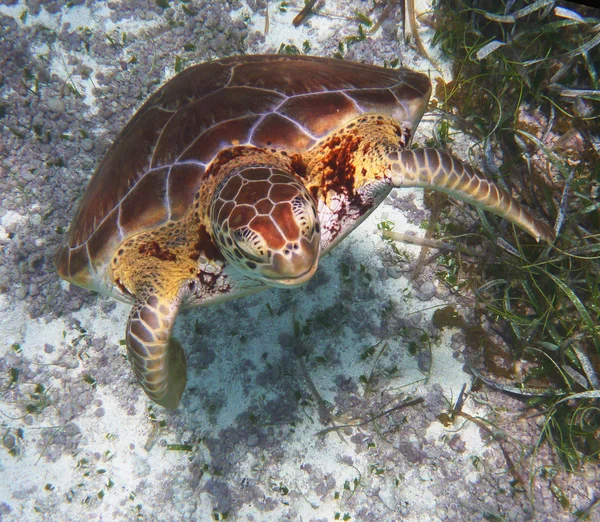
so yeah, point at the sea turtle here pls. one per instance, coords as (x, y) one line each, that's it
(236, 176)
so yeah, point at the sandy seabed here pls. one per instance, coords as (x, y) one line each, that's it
(79, 439)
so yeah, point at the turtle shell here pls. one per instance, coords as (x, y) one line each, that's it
(152, 171)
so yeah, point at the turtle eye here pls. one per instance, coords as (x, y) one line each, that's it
(305, 214)
(250, 244)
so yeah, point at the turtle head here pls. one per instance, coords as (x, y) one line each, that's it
(265, 223)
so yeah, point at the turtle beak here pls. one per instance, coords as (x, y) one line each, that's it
(295, 265)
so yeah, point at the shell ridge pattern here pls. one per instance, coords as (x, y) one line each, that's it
(352, 100)
(275, 110)
(178, 163)
(400, 102)
(133, 186)
(231, 75)
(223, 144)
(262, 119)
(287, 118)
(97, 224)
(254, 127)
(208, 128)
(399, 83)
(167, 194)
(119, 227)
(301, 127)
(158, 140)
(93, 271)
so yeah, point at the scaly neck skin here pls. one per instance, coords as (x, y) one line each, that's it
(347, 173)
(351, 171)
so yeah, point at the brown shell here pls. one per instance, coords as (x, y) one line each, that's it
(155, 166)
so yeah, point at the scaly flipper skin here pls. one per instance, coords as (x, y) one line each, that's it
(154, 279)
(158, 361)
(436, 169)
(356, 167)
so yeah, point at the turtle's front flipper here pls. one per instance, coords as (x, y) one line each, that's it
(431, 168)
(158, 361)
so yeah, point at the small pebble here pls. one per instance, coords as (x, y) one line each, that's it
(424, 361)
(56, 105)
(66, 412)
(99, 412)
(394, 272)
(48, 348)
(87, 145)
(71, 429)
(34, 6)
(70, 362)
(427, 291)
(9, 441)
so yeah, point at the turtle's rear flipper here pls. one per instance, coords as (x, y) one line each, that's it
(158, 360)
(431, 168)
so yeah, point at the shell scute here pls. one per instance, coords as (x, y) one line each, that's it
(225, 134)
(184, 182)
(302, 75)
(275, 130)
(123, 166)
(77, 267)
(320, 113)
(144, 207)
(105, 240)
(377, 101)
(189, 124)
